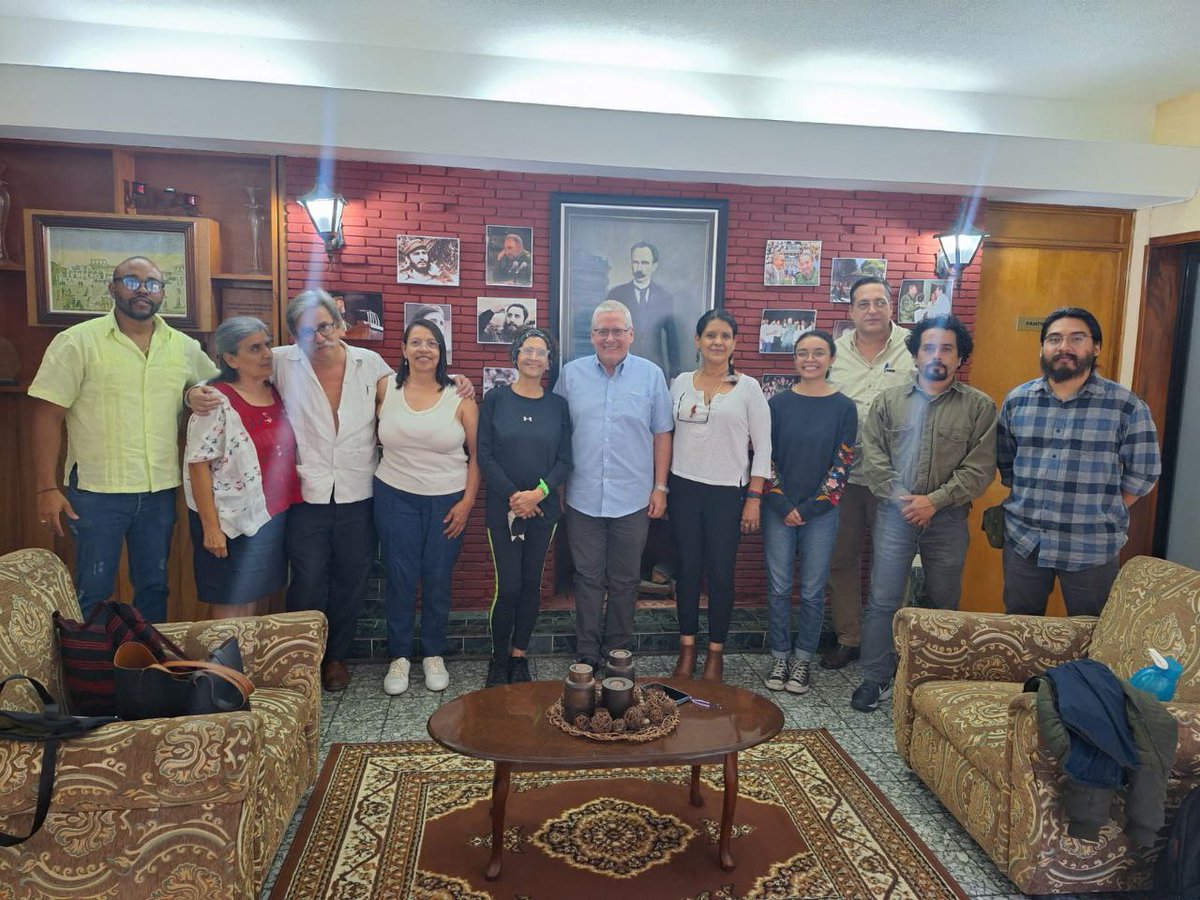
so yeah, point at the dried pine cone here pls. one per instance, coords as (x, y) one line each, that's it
(583, 721)
(634, 715)
(602, 721)
(619, 727)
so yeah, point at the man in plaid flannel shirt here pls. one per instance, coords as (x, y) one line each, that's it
(1077, 450)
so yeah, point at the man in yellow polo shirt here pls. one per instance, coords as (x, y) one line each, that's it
(117, 381)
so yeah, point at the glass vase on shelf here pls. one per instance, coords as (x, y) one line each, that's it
(5, 208)
(256, 216)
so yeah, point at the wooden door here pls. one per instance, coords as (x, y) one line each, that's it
(1037, 259)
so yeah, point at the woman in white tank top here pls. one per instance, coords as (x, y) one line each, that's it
(425, 487)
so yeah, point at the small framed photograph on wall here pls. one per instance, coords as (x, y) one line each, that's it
(846, 270)
(500, 319)
(494, 376)
(840, 327)
(509, 256)
(363, 312)
(780, 328)
(437, 313)
(421, 259)
(922, 298)
(776, 383)
(792, 264)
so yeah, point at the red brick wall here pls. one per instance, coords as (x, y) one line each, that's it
(385, 200)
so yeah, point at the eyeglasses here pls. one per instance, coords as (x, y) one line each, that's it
(605, 333)
(324, 330)
(535, 352)
(1078, 339)
(133, 283)
(423, 344)
(690, 410)
(873, 304)
(812, 354)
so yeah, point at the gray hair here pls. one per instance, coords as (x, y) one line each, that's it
(612, 306)
(229, 336)
(309, 300)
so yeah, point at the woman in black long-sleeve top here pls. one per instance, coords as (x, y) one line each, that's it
(524, 447)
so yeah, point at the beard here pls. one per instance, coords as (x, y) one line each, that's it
(1065, 366)
(935, 371)
(133, 311)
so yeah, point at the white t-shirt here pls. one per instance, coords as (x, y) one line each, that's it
(423, 450)
(712, 443)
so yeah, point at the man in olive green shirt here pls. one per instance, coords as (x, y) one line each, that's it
(871, 357)
(929, 449)
(117, 381)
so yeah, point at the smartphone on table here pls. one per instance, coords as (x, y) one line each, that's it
(675, 694)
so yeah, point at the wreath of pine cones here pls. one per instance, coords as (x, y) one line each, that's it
(653, 708)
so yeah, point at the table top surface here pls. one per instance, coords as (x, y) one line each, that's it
(509, 723)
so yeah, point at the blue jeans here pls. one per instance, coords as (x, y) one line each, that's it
(814, 542)
(144, 522)
(943, 548)
(415, 550)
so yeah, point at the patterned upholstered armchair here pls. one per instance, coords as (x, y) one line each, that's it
(965, 727)
(187, 807)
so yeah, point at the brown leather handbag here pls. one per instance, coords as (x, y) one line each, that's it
(149, 689)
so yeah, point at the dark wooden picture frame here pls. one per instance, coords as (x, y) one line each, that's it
(71, 256)
(592, 238)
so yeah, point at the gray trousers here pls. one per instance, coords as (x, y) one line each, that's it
(943, 548)
(607, 553)
(1027, 585)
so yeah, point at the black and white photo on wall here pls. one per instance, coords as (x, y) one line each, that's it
(494, 376)
(500, 319)
(662, 258)
(509, 256)
(840, 327)
(363, 313)
(779, 329)
(426, 259)
(792, 264)
(844, 271)
(923, 297)
(437, 313)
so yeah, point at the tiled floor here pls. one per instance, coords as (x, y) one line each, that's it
(364, 713)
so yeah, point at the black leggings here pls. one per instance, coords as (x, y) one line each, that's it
(707, 520)
(518, 593)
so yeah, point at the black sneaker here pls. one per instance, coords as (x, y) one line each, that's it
(867, 695)
(497, 673)
(518, 669)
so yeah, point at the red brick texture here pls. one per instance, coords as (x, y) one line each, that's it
(386, 200)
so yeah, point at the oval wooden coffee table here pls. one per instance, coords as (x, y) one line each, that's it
(508, 725)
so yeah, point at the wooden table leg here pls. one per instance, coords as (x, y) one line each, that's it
(731, 789)
(697, 800)
(499, 799)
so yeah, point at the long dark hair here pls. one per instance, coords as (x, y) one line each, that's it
(722, 315)
(441, 375)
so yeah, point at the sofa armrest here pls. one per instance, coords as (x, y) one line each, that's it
(948, 645)
(281, 651)
(1187, 756)
(148, 764)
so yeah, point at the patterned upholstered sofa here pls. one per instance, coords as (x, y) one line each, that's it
(965, 727)
(187, 807)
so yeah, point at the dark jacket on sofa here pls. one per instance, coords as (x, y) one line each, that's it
(1106, 733)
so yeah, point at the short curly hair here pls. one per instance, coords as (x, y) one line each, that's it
(950, 323)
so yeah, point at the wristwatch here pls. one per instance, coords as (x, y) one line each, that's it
(663, 488)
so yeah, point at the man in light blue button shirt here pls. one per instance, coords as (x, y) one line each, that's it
(621, 413)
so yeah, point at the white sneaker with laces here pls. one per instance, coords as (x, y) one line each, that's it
(395, 682)
(436, 676)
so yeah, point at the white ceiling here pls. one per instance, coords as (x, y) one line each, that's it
(1086, 73)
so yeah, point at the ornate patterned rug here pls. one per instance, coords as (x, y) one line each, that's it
(411, 820)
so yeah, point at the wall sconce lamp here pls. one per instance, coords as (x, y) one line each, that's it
(325, 208)
(958, 247)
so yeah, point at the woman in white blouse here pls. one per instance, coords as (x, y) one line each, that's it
(715, 490)
(240, 477)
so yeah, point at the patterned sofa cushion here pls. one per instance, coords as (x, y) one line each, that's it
(973, 717)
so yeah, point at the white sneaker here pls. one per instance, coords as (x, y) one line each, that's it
(395, 682)
(436, 676)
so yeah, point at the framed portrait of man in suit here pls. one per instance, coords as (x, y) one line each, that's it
(664, 258)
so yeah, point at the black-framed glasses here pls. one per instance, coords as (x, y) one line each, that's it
(133, 283)
(324, 330)
(691, 410)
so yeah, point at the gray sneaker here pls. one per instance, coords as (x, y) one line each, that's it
(778, 676)
(800, 678)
